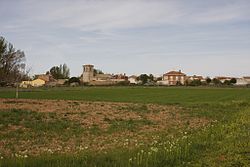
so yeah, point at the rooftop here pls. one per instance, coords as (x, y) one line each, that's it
(175, 73)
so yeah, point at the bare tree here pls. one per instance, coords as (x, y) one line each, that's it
(12, 66)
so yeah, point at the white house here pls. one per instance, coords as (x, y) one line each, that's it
(247, 79)
(243, 81)
(196, 77)
(133, 79)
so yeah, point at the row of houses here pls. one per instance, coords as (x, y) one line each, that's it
(239, 81)
(177, 77)
(170, 78)
(91, 77)
(42, 80)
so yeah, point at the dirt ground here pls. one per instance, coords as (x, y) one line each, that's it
(151, 122)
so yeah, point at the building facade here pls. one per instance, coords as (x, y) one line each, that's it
(243, 81)
(195, 77)
(173, 78)
(247, 79)
(34, 83)
(91, 77)
(88, 73)
(133, 79)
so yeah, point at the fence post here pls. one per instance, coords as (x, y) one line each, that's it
(17, 85)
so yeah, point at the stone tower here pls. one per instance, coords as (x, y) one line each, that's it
(88, 73)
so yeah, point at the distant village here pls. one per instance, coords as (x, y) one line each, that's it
(13, 73)
(94, 77)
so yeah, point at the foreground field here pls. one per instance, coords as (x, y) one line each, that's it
(71, 126)
(125, 127)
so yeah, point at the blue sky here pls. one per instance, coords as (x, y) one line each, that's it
(208, 38)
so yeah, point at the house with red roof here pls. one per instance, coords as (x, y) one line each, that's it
(173, 78)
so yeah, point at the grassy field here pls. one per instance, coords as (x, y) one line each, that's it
(158, 95)
(125, 127)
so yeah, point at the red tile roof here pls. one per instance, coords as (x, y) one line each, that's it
(223, 78)
(174, 73)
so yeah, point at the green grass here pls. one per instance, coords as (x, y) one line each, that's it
(131, 125)
(220, 144)
(37, 124)
(160, 95)
(225, 142)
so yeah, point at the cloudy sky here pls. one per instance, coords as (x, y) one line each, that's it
(207, 38)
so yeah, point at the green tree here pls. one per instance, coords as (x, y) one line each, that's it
(55, 72)
(178, 83)
(65, 71)
(60, 72)
(159, 79)
(143, 78)
(208, 80)
(195, 82)
(97, 71)
(151, 77)
(227, 82)
(233, 81)
(216, 81)
(74, 79)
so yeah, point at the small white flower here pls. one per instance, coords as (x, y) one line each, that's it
(50, 151)
(155, 149)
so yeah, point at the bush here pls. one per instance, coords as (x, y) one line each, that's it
(195, 83)
(3, 84)
(227, 82)
(123, 83)
(73, 80)
(233, 81)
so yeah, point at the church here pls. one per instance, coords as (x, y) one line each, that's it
(92, 77)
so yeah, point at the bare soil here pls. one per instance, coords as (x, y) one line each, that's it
(97, 119)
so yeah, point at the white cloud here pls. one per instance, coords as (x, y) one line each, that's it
(110, 14)
(92, 15)
(222, 13)
(124, 31)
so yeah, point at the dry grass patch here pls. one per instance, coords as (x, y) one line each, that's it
(59, 126)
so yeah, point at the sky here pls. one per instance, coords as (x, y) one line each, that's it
(209, 38)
